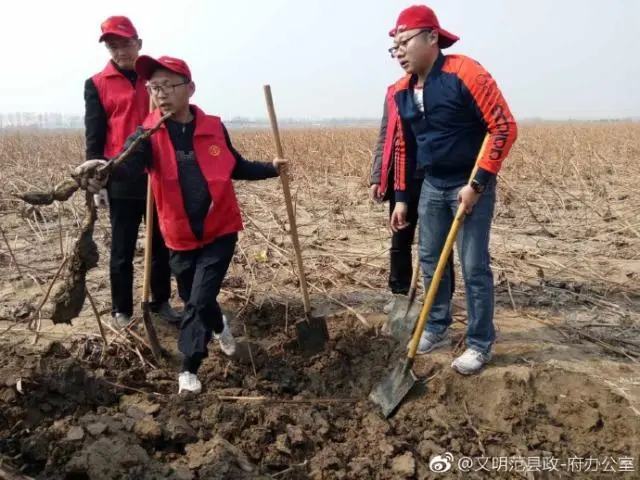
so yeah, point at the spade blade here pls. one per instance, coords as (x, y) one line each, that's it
(389, 393)
(400, 322)
(312, 334)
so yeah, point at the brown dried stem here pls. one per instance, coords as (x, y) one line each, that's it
(13, 257)
(46, 295)
(97, 314)
(65, 189)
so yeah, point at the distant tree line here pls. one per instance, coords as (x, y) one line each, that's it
(56, 121)
(45, 120)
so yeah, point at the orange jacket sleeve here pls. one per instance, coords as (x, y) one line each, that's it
(494, 111)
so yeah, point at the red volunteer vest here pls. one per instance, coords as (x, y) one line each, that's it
(394, 137)
(216, 162)
(387, 151)
(126, 106)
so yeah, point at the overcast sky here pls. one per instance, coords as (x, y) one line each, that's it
(328, 58)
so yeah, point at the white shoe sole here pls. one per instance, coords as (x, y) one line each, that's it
(186, 390)
(464, 371)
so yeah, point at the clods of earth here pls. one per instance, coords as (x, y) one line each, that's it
(85, 411)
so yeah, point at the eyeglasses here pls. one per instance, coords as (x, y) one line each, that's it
(394, 50)
(165, 88)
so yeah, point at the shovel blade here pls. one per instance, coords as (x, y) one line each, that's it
(156, 349)
(312, 334)
(400, 322)
(389, 393)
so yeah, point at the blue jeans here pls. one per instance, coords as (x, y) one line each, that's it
(436, 210)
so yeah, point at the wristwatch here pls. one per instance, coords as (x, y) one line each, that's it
(477, 187)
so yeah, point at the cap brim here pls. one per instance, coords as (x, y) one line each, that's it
(115, 34)
(446, 39)
(146, 65)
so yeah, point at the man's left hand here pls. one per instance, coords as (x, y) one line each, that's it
(468, 197)
(280, 164)
(85, 174)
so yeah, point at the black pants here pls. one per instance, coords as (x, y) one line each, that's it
(126, 216)
(401, 268)
(199, 274)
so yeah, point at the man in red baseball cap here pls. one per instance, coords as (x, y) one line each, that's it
(382, 172)
(439, 113)
(116, 102)
(192, 164)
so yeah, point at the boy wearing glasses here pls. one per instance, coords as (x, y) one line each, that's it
(116, 102)
(191, 163)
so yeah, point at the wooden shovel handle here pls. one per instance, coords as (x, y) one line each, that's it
(442, 265)
(148, 242)
(148, 239)
(287, 198)
(156, 349)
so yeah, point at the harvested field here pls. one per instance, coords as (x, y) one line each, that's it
(561, 398)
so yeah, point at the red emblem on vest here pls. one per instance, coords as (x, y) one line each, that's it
(214, 150)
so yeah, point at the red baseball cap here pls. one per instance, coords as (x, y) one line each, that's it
(146, 65)
(118, 25)
(421, 16)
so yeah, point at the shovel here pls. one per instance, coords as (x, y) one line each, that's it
(391, 391)
(403, 315)
(405, 312)
(312, 332)
(156, 349)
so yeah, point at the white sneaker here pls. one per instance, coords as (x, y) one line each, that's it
(121, 320)
(189, 382)
(471, 361)
(225, 339)
(432, 341)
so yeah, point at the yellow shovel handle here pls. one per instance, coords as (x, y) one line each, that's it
(442, 264)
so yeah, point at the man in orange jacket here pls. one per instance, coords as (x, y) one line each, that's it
(192, 163)
(442, 109)
(116, 102)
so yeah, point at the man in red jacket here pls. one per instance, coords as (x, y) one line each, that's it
(382, 189)
(192, 163)
(116, 102)
(443, 108)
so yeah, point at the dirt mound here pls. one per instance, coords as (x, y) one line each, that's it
(77, 416)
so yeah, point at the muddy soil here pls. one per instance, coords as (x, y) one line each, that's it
(83, 412)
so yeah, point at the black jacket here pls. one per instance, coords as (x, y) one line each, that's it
(95, 125)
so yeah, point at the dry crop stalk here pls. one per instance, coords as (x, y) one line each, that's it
(13, 257)
(70, 295)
